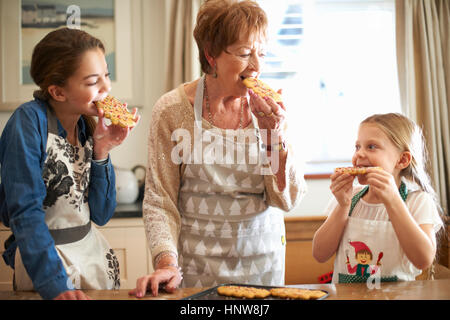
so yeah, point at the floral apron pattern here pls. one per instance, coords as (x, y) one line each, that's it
(89, 261)
(228, 233)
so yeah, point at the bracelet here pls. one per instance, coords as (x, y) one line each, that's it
(101, 161)
(275, 147)
(170, 265)
(164, 254)
(174, 266)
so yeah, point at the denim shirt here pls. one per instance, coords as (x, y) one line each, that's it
(22, 192)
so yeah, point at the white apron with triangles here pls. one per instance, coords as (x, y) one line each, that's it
(89, 261)
(228, 232)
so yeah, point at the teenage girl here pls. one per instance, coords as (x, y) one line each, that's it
(56, 173)
(387, 226)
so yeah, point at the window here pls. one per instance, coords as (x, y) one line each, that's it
(336, 63)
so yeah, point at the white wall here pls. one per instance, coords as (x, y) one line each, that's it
(134, 150)
(315, 200)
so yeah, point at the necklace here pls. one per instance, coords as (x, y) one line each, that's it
(210, 118)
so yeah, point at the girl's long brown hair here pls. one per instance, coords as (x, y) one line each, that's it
(56, 58)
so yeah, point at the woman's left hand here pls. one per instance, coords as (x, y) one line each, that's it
(383, 184)
(108, 137)
(271, 116)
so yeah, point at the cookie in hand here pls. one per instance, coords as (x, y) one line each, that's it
(354, 171)
(261, 89)
(116, 111)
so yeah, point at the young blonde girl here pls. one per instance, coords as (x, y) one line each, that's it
(56, 173)
(387, 226)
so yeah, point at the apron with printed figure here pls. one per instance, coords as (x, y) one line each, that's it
(370, 250)
(228, 232)
(89, 261)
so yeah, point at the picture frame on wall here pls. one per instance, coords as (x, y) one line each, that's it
(115, 22)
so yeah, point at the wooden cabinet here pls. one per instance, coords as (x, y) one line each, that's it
(6, 273)
(301, 267)
(126, 236)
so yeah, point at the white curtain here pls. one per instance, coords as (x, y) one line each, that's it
(182, 62)
(423, 51)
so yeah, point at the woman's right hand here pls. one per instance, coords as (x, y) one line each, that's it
(169, 275)
(342, 188)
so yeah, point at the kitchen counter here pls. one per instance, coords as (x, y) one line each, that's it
(408, 290)
(128, 210)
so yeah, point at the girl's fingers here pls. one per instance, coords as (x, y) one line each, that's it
(338, 177)
(342, 183)
(100, 113)
(377, 179)
(136, 119)
(342, 186)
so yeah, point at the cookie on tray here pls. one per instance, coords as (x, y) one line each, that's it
(297, 293)
(243, 292)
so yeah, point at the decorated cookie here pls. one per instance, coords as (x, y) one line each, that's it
(354, 171)
(116, 111)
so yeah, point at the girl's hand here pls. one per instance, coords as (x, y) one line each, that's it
(168, 275)
(383, 185)
(108, 137)
(72, 295)
(342, 188)
(271, 116)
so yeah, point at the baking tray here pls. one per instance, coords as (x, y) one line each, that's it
(211, 293)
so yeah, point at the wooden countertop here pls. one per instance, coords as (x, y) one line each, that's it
(408, 290)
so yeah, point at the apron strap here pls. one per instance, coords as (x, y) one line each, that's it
(198, 102)
(52, 125)
(402, 190)
(69, 235)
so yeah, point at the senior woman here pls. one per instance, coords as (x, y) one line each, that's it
(212, 222)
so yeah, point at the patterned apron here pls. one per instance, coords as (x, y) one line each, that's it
(89, 261)
(369, 250)
(228, 233)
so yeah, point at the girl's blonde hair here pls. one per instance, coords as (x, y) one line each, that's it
(407, 136)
